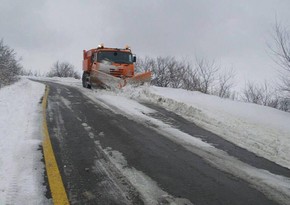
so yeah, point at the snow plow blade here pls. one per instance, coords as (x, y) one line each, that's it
(99, 78)
(139, 79)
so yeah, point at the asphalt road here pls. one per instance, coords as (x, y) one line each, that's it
(75, 123)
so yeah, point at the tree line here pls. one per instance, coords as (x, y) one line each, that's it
(204, 75)
(208, 77)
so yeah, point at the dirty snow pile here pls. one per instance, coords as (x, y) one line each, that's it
(21, 169)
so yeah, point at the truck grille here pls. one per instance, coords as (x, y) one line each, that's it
(117, 73)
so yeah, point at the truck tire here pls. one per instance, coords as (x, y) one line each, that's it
(86, 80)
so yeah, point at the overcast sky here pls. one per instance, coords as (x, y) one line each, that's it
(233, 32)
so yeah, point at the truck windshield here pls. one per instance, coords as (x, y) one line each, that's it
(115, 57)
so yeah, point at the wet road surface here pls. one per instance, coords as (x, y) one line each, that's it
(77, 125)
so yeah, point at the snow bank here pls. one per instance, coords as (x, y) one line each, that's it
(262, 130)
(259, 129)
(21, 169)
(277, 187)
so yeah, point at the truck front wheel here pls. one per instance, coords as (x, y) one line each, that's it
(86, 80)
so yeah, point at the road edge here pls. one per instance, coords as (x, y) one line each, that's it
(55, 182)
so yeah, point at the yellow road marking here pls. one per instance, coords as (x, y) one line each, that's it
(57, 189)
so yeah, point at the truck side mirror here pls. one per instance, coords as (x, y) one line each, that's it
(134, 58)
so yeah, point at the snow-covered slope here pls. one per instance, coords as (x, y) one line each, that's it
(259, 129)
(21, 169)
(262, 130)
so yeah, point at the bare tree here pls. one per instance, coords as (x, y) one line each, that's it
(177, 71)
(63, 69)
(225, 83)
(284, 104)
(161, 76)
(166, 71)
(9, 65)
(206, 73)
(280, 49)
(190, 78)
(262, 94)
(145, 64)
(251, 93)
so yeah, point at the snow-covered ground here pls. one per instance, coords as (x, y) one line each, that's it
(262, 130)
(21, 169)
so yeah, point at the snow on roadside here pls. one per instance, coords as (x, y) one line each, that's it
(272, 185)
(259, 129)
(21, 169)
(262, 130)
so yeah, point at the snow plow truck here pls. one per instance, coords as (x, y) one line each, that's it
(111, 68)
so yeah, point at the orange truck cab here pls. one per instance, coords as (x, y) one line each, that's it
(114, 61)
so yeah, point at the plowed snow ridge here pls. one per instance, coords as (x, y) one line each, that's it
(262, 130)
